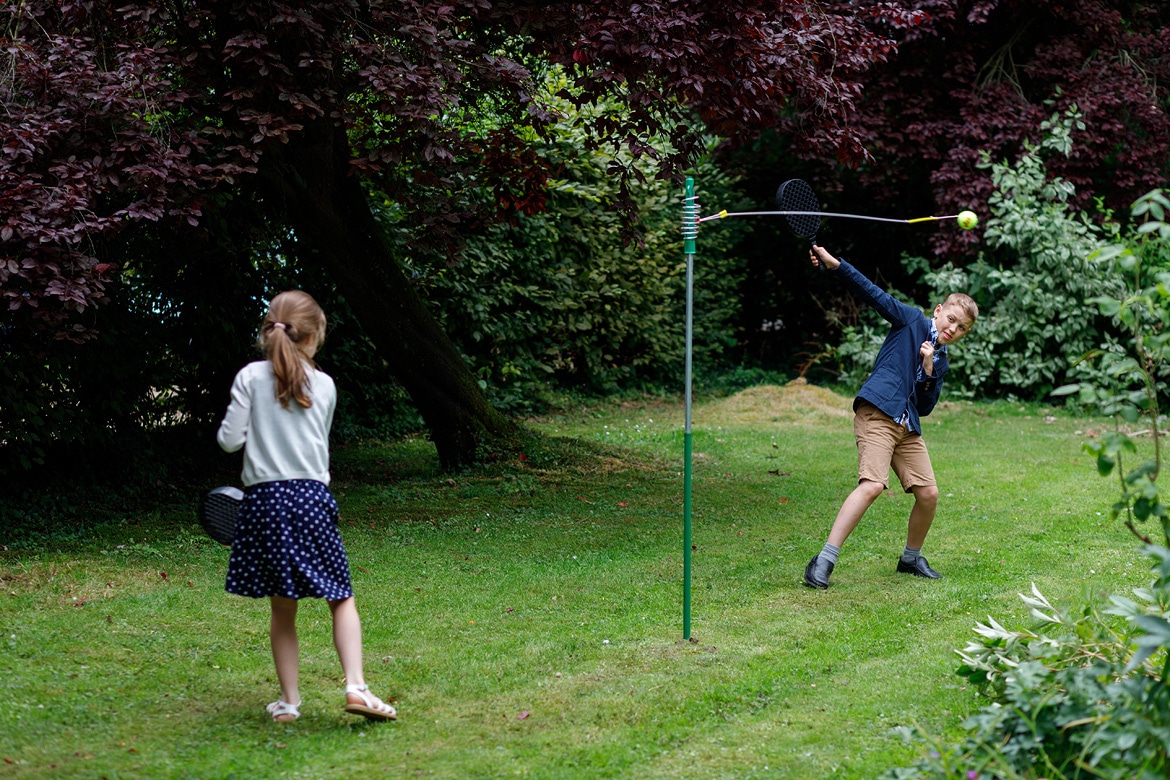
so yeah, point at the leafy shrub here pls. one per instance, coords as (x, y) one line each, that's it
(1071, 699)
(563, 299)
(1033, 285)
(1087, 696)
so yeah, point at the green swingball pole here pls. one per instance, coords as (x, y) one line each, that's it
(690, 230)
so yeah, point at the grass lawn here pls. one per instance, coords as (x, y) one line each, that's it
(527, 617)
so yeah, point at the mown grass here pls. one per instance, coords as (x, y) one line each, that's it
(527, 616)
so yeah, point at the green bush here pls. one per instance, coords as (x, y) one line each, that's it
(1033, 284)
(1071, 699)
(1086, 696)
(563, 299)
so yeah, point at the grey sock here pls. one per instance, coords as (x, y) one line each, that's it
(910, 554)
(826, 560)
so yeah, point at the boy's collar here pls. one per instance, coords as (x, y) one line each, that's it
(934, 338)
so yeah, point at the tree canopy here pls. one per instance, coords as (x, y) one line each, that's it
(980, 77)
(123, 119)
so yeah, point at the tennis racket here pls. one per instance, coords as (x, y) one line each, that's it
(796, 199)
(218, 512)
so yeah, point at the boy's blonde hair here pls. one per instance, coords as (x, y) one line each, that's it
(964, 302)
(292, 331)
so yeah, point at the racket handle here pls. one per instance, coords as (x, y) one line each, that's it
(820, 263)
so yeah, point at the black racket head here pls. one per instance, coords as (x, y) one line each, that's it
(797, 195)
(218, 511)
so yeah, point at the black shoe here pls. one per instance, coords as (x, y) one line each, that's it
(810, 575)
(920, 568)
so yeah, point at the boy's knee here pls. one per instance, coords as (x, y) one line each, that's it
(926, 494)
(870, 489)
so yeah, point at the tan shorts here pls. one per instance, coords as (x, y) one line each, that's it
(882, 444)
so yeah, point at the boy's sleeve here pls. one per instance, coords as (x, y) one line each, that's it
(892, 310)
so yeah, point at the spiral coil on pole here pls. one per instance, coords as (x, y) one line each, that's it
(690, 221)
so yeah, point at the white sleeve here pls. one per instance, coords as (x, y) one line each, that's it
(233, 431)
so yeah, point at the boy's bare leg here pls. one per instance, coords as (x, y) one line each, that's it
(922, 515)
(855, 506)
(816, 574)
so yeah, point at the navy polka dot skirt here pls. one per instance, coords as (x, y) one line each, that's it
(287, 543)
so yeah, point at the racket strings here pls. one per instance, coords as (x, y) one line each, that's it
(218, 514)
(797, 195)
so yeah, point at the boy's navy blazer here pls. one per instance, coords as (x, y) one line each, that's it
(892, 386)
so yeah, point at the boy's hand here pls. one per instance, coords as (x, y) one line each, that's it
(819, 255)
(927, 352)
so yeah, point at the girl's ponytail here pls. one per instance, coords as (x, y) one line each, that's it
(292, 331)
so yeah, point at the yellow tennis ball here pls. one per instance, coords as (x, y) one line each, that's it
(968, 220)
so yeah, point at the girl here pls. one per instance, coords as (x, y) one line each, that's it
(287, 546)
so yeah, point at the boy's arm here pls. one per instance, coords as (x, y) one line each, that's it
(892, 310)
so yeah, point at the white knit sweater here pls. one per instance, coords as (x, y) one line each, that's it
(279, 443)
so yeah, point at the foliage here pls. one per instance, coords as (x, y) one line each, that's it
(135, 117)
(1071, 699)
(1142, 312)
(1087, 696)
(130, 113)
(978, 76)
(1035, 321)
(1033, 283)
(559, 299)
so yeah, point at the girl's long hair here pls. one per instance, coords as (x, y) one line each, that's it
(292, 331)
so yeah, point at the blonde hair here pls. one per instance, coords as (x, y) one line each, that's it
(292, 331)
(964, 302)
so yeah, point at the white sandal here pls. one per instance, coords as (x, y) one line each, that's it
(283, 712)
(371, 707)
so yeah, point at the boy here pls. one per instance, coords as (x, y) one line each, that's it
(904, 385)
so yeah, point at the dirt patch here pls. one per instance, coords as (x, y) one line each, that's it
(795, 402)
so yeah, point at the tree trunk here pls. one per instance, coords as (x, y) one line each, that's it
(327, 208)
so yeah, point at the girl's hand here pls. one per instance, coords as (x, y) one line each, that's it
(819, 255)
(927, 352)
